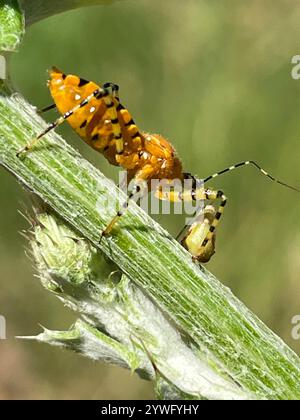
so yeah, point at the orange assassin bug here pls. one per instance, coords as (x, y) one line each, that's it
(97, 115)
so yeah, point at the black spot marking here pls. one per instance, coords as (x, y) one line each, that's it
(137, 134)
(110, 105)
(83, 124)
(131, 122)
(83, 103)
(100, 94)
(115, 121)
(118, 136)
(187, 175)
(218, 215)
(105, 148)
(120, 107)
(82, 82)
(194, 182)
(67, 114)
(220, 194)
(212, 228)
(95, 136)
(119, 214)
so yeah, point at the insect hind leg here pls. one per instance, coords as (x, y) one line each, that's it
(214, 195)
(199, 194)
(98, 93)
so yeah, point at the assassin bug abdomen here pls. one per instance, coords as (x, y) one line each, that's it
(103, 123)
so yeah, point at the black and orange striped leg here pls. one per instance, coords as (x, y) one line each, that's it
(98, 93)
(214, 195)
(204, 194)
(198, 194)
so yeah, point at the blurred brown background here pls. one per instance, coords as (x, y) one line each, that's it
(215, 78)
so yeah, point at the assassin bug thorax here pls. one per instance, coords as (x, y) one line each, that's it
(98, 117)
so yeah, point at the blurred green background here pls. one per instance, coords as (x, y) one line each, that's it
(215, 78)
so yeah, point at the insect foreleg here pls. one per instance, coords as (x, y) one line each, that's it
(98, 93)
(138, 190)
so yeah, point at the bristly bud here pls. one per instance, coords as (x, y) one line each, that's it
(118, 322)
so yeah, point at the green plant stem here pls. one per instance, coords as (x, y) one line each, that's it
(119, 323)
(225, 334)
